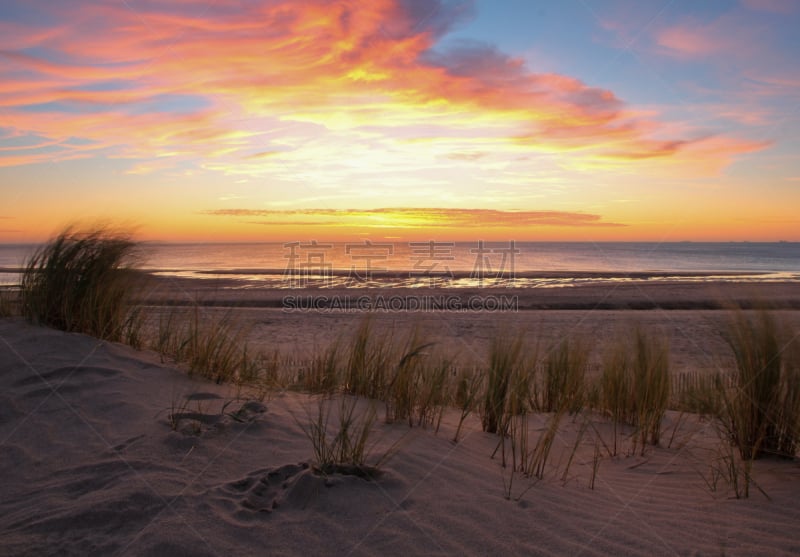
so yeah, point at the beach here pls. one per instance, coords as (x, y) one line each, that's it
(110, 450)
(692, 316)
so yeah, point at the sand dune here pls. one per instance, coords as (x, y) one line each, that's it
(92, 465)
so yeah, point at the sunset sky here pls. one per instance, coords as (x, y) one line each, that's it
(422, 119)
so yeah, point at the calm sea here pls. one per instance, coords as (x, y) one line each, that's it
(459, 264)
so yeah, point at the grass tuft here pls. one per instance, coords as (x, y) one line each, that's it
(214, 347)
(415, 389)
(323, 374)
(341, 449)
(84, 282)
(760, 414)
(564, 377)
(635, 386)
(368, 359)
(8, 302)
(505, 357)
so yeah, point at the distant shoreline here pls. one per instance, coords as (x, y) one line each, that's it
(539, 290)
(633, 295)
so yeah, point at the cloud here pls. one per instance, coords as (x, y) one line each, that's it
(298, 87)
(694, 39)
(731, 34)
(772, 6)
(407, 217)
(466, 156)
(262, 154)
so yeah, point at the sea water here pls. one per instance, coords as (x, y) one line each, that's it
(394, 263)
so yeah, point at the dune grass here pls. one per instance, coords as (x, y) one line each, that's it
(408, 376)
(699, 393)
(340, 445)
(8, 302)
(323, 375)
(505, 359)
(564, 381)
(369, 358)
(650, 385)
(760, 413)
(787, 411)
(616, 392)
(469, 386)
(557, 390)
(87, 282)
(416, 390)
(213, 346)
(84, 282)
(635, 386)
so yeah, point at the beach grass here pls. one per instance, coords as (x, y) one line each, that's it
(760, 413)
(505, 358)
(212, 345)
(414, 388)
(557, 390)
(469, 385)
(650, 385)
(635, 386)
(564, 380)
(9, 302)
(340, 443)
(85, 282)
(369, 358)
(323, 375)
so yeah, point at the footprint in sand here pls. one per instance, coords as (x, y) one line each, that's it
(293, 486)
(290, 486)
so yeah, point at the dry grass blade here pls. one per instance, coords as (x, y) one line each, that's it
(411, 376)
(469, 386)
(505, 356)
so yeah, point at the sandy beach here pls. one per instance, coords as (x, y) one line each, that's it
(94, 460)
(299, 322)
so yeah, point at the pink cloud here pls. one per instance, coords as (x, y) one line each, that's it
(279, 59)
(693, 39)
(772, 6)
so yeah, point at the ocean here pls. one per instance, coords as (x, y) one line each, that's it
(455, 264)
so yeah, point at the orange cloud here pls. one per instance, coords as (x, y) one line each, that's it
(210, 86)
(412, 218)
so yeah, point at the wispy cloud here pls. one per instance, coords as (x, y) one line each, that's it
(214, 85)
(412, 218)
(729, 34)
(772, 6)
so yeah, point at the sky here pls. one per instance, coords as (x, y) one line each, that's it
(287, 120)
